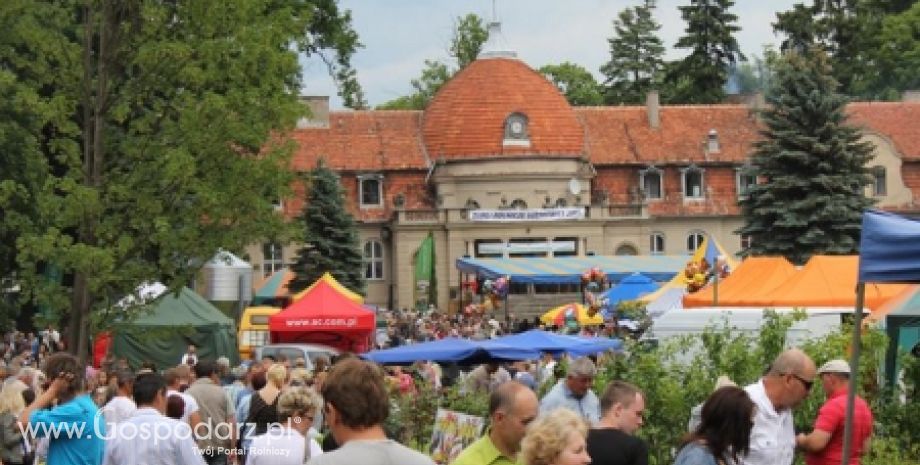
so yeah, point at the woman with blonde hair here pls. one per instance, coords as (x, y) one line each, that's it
(556, 438)
(263, 408)
(297, 408)
(11, 405)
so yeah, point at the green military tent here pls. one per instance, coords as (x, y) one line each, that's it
(162, 334)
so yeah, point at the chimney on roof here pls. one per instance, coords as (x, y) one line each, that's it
(652, 108)
(910, 96)
(317, 114)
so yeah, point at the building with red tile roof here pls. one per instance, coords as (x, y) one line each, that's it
(649, 179)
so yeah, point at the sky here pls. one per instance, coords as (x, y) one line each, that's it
(399, 35)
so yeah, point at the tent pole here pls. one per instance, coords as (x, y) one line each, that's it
(854, 374)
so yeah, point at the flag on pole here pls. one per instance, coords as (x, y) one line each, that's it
(425, 282)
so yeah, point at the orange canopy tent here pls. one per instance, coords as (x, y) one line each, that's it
(754, 276)
(325, 316)
(825, 281)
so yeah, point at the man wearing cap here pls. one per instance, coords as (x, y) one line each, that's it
(824, 445)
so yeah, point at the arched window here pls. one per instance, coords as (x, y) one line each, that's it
(373, 260)
(626, 250)
(472, 204)
(518, 204)
(695, 240)
(561, 203)
(516, 130)
(656, 243)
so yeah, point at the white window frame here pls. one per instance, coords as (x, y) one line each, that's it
(746, 242)
(655, 171)
(652, 249)
(512, 140)
(698, 237)
(371, 259)
(684, 172)
(272, 261)
(740, 187)
(370, 177)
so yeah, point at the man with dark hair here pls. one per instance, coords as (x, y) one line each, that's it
(217, 415)
(190, 413)
(512, 406)
(613, 441)
(357, 403)
(74, 410)
(824, 445)
(149, 438)
(121, 406)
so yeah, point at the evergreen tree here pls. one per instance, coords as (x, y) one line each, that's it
(636, 56)
(700, 77)
(331, 237)
(575, 82)
(811, 166)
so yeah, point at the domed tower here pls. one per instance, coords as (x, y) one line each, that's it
(500, 106)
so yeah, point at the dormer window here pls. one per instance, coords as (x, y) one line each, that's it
(650, 182)
(692, 182)
(712, 141)
(370, 190)
(516, 131)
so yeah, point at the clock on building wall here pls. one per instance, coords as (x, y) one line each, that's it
(516, 127)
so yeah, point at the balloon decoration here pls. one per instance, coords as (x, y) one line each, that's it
(594, 282)
(570, 317)
(493, 291)
(698, 273)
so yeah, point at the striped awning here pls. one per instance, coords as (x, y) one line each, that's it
(568, 270)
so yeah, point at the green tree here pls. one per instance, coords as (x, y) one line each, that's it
(700, 77)
(468, 37)
(812, 167)
(897, 57)
(330, 235)
(575, 82)
(148, 132)
(636, 56)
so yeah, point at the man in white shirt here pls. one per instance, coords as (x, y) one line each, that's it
(148, 437)
(785, 385)
(121, 406)
(190, 357)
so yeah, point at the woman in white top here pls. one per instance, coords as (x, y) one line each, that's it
(290, 441)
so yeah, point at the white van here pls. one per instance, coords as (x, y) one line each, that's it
(819, 322)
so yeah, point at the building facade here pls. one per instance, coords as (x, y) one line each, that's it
(500, 141)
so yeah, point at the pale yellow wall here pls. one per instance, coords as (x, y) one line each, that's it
(885, 155)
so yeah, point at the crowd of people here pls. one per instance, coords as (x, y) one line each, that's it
(270, 411)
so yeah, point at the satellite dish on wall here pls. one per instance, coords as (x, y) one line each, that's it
(574, 186)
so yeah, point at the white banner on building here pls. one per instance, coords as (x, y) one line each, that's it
(541, 214)
(525, 247)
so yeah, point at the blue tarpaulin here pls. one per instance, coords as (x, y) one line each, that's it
(889, 251)
(452, 350)
(630, 288)
(545, 341)
(568, 270)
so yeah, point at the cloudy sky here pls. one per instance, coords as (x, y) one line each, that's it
(398, 35)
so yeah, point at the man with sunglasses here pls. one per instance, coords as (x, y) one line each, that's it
(824, 445)
(784, 386)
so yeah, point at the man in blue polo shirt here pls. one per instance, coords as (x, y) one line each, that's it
(74, 426)
(574, 392)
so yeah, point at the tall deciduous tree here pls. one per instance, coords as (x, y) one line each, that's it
(146, 132)
(468, 37)
(330, 235)
(575, 82)
(897, 56)
(700, 77)
(811, 164)
(636, 56)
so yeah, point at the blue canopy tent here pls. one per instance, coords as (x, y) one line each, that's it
(630, 288)
(889, 252)
(568, 270)
(452, 350)
(545, 341)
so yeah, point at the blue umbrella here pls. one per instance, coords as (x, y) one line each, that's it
(452, 350)
(630, 288)
(544, 341)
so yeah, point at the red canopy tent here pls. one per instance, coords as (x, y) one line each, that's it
(324, 316)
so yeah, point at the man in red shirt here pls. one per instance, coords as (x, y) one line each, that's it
(824, 446)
